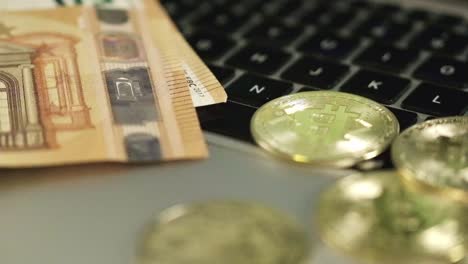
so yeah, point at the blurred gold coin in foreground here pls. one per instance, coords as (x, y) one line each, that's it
(434, 155)
(324, 128)
(374, 219)
(224, 232)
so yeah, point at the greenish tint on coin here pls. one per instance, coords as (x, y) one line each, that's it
(434, 155)
(224, 232)
(375, 219)
(324, 128)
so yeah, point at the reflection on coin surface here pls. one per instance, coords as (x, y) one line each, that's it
(435, 154)
(324, 128)
(373, 218)
(224, 232)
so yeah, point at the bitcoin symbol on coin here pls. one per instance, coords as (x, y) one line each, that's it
(328, 124)
(435, 154)
(454, 151)
(324, 128)
(224, 232)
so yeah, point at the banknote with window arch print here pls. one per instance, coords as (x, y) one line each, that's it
(205, 89)
(86, 84)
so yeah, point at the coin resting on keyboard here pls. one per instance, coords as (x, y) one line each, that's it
(411, 59)
(434, 154)
(324, 128)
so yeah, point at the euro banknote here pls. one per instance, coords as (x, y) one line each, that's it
(94, 84)
(205, 89)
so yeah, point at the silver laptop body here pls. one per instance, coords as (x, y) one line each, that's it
(96, 214)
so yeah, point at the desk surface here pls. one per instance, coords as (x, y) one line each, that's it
(96, 214)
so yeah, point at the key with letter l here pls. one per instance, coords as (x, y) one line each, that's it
(436, 100)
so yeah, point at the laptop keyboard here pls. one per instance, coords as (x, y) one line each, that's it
(411, 60)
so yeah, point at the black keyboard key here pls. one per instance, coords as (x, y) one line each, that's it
(307, 89)
(329, 45)
(270, 8)
(243, 8)
(255, 90)
(383, 30)
(229, 119)
(386, 10)
(405, 118)
(461, 30)
(362, 4)
(387, 58)
(220, 21)
(448, 21)
(419, 15)
(184, 3)
(223, 74)
(335, 21)
(316, 73)
(274, 33)
(279, 8)
(333, 15)
(380, 87)
(259, 59)
(210, 46)
(316, 14)
(217, 3)
(444, 71)
(439, 40)
(288, 8)
(436, 100)
(175, 9)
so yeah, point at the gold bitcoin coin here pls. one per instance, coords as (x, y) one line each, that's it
(324, 128)
(375, 219)
(434, 156)
(224, 232)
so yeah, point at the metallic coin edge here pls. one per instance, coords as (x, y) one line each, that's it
(342, 163)
(361, 258)
(317, 215)
(161, 220)
(408, 176)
